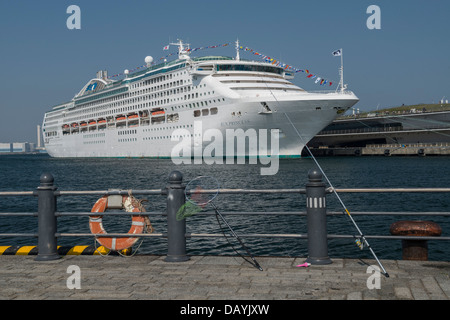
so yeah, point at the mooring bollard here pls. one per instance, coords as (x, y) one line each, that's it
(316, 214)
(415, 249)
(47, 241)
(176, 230)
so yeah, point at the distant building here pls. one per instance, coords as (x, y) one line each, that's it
(6, 147)
(17, 147)
(11, 147)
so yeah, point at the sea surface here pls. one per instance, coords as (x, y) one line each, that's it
(22, 173)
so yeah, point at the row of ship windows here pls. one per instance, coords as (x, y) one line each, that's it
(98, 96)
(170, 117)
(51, 134)
(127, 140)
(134, 131)
(169, 137)
(166, 86)
(124, 140)
(94, 142)
(93, 135)
(147, 90)
(53, 122)
(79, 115)
(173, 117)
(157, 79)
(121, 100)
(168, 128)
(121, 133)
(95, 106)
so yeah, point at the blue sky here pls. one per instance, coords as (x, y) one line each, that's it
(43, 63)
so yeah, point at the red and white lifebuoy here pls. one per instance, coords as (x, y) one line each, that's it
(116, 244)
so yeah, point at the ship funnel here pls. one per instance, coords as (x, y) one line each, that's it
(102, 74)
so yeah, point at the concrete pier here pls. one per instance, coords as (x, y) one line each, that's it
(149, 277)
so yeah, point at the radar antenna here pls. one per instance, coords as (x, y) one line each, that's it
(237, 50)
(183, 53)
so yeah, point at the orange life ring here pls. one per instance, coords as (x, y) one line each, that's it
(116, 244)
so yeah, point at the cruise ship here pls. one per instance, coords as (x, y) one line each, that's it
(150, 112)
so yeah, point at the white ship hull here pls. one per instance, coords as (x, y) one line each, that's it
(195, 101)
(140, 142)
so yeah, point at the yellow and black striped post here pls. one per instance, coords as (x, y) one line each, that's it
(62, 250)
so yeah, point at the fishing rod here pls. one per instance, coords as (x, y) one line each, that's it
(363, 241)
(254, 263)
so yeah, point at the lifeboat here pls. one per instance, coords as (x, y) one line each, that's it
(101, 120)
(133, 116)
(92, 122)
(83, 124)
(74, 125)
(121, 118)
(157, 113)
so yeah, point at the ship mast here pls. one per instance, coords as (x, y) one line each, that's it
(182, 52)
(341, 72)
(237, 50)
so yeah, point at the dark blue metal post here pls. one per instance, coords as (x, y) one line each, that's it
(176, 230)
(316, 213)
(47, 243)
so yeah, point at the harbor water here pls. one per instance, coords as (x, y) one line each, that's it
(22, 173)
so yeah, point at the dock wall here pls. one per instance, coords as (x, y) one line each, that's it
(419, 149)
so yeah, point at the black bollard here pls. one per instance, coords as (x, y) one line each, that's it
(176, 230)
(316, 214)
(47, 242)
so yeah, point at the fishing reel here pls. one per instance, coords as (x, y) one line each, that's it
(360, 243)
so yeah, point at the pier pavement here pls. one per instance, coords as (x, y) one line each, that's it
(149, 277)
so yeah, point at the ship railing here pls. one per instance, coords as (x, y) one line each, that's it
(347, 92)
(175, 231)
(411, 145)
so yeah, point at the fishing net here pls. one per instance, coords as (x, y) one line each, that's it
(199, 192)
